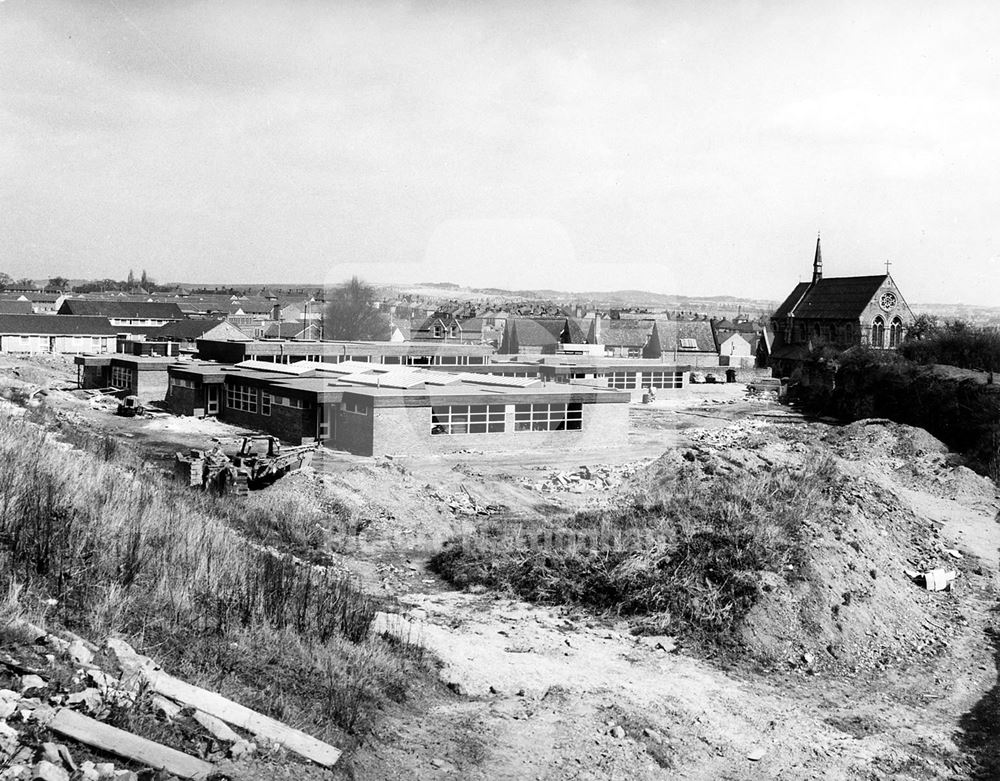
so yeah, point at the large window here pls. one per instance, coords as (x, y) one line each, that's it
(548, 417)
(468, 419)
(895, 332)
(878, 332)
(241, 397)
(622, 380)
(121, 377)
(287, 401)
(661, 379)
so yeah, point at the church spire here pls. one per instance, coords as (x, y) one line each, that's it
(817, 263)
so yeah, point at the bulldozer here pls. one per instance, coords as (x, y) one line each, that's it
(248, 468)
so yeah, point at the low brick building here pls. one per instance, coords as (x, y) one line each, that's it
(371, 410)
(635, 376)
(134, 375)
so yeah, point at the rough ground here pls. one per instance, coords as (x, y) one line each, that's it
(867, 676)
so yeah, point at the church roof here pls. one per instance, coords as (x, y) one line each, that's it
(789, 303)
(833, 298)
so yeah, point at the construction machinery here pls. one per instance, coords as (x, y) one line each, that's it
(248, 468)
(130, 406)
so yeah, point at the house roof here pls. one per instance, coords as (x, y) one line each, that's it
(159, 310)
(291, 331)
(626, 333)
(189, 329)
(537, 332)
(8, 307)
(833, 298)
(694, 332)
(56, 325)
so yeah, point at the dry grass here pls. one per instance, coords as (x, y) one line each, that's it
(123, 552)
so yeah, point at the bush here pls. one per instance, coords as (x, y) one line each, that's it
(962, 413)
(685, 556)
(955, 344)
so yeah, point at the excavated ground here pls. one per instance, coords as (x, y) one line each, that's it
(853, 670)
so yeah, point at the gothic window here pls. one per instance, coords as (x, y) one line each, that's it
(895, 332)
(878, 332)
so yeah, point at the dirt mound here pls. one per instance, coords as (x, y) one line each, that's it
(848, 603)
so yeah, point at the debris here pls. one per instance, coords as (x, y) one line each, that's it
(79, 653)
(756, 755)
(50, 753)
(29, 682)
(102, 736)
(617, 732)
(47, 771)
(933, 580)
(167, 708)
(953, 552)
(219, 729)
(90, 698)
(216, 705)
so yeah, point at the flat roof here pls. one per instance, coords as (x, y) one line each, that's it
(143, 362)
(303, 347)
(398, 386)
(604, 367)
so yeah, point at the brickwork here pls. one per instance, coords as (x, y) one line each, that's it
(150, 385)
(185, 401)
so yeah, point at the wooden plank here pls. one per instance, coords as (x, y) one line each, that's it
(240, 716)
(102, 736)
(219, 729)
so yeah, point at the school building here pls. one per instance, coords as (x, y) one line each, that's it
(371, 409)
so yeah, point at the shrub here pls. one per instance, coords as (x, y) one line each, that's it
(681, 554)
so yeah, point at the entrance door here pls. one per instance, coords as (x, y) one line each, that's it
(325, 421)
(211, 399)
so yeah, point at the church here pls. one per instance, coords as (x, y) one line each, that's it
(841, 312)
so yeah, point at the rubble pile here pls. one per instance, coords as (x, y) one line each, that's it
(464, 503)
(584, 479)
(56, 710)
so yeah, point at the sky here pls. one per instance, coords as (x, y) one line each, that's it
(693, 148)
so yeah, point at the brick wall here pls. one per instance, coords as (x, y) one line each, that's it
(96, 376)
(185, 401)
(353, 432)
(290, 424)
(150, 385)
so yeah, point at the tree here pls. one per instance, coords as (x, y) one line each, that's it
(59, 283)
(145, 281)
(25, 282)
(351, 314)
(131, 280)
(924, 327)
(5, 279)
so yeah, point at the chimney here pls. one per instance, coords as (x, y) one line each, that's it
(817, 263)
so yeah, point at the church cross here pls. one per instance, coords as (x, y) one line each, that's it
(887, 264)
